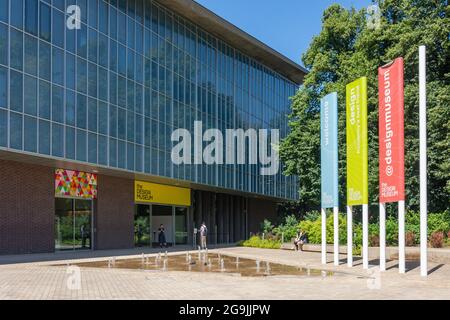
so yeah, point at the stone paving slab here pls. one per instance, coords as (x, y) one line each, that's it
(44, 281)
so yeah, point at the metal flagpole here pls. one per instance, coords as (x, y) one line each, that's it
(324, 236)
(349, 237)
(336, 235)
(365, 226)
(401, 236)
(382, 237)
(423, 161)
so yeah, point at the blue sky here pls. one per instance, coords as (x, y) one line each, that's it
(288, 26)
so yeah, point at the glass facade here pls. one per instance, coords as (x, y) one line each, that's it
(111, 93)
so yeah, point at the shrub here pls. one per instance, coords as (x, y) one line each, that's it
(410, 239)
(437, 239)
(392, 231)
(312, 215)
(438, 222)
(257, 242)
(288, 228)
(266, 226)
(314, 230)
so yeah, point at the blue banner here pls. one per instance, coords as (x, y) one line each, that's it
(329, 150)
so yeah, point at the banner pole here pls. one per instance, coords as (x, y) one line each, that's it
(382, 237)
(349, 237)
(423, 161)
(324, 236)
(401, 236)
(336, 235)
(365, 236)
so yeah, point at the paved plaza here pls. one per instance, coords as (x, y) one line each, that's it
(44, 280)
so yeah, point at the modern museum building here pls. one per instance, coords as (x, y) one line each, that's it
(92, 93)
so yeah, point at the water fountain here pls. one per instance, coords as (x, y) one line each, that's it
(187, 256)
(159, 256)
(199, 253)
(166, 255)
(241, 265)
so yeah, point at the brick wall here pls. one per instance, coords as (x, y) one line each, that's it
(26, 208)
(114, 219)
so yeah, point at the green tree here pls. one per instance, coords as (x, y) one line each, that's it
(347, 49)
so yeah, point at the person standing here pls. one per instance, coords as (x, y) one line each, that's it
(162, 236)
(203, 234)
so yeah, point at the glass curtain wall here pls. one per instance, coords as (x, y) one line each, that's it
(112, 92)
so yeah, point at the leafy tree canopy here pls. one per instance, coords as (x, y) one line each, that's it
(346, 49)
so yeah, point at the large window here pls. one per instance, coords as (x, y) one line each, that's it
(3, 44)
(31, 54)
(44, 137)
(44, 99)
(3, 128)
(15, 132)
(16, 91)
(58, 28)
(30, 134)
(3, 87)
(30, 101)
(16, 54)
(31, 16)
(45, 22)
(58, 66)
(17, 13)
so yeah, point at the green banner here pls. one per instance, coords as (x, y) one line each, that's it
(357, 149)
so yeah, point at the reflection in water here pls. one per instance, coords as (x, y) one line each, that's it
(212, 263)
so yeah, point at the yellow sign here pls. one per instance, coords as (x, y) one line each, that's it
(161, 194)
(357, 150)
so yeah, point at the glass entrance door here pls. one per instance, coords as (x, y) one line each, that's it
(142, 226)
(73, 224)
(64, 224)
(82, 224)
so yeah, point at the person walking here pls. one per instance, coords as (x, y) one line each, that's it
(203, 234)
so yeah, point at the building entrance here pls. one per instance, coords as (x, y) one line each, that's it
(73, 224)
(149, 218)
